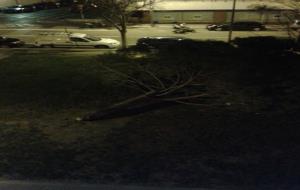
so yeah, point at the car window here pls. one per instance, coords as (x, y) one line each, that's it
(255, 24)
(92, 38)
(237, 24)
(78, 39)
(164, 41)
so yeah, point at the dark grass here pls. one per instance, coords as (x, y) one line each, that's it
(250, 139)
(165, 147)
(55, 81)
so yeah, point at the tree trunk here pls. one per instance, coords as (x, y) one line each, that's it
(132, 106)
(123, 39)
(130, 110)
(123, 31)
(99, 114)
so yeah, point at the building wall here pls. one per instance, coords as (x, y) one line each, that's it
(182, 16)
(266, 17)
(213, 16)
(196, 16)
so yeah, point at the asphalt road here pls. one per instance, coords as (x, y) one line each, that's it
(32, 27)
(31, 35)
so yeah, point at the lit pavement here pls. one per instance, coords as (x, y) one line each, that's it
(30, 35)
(32, 27)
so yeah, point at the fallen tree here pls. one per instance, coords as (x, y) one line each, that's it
(184, 87)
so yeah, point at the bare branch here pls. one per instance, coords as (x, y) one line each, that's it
(190, 103)
(177, 87)
(138, 82)
(112, 22)
(148, 94)
(175, 82)
(186, 97)
(155, 78)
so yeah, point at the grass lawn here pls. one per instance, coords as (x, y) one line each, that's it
(251, 138)
(51, 92)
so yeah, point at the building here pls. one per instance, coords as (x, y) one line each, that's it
(211, 11)
(199, 11)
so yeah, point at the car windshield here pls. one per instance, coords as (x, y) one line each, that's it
(92, 38)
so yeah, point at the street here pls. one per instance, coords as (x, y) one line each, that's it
(30, 35)
(33, 27)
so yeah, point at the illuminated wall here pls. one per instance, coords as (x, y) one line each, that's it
(4, 3)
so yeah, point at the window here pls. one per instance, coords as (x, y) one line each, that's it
(92, 38)
(78, 39)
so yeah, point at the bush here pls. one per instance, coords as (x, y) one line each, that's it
(264, 43)
(208, 47)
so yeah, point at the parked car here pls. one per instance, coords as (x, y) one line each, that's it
(78, 40)
(78, 8)
(245, 25)
(19, 9)
(158, 42)
(295, 25)
(10, 42)
(66, 3)
(46, 5)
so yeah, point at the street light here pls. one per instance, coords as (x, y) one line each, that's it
(231, 21)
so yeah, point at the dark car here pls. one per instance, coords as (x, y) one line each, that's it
(240, 26)
(66, 3)
(10, 42)
(19, 9)
(47, 5)
(159, 42)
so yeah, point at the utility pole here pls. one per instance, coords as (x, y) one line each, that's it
(151, 12)
(231, 21)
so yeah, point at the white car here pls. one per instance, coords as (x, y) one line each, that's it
(79, 40)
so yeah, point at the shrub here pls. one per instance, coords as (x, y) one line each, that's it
(264, 43)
